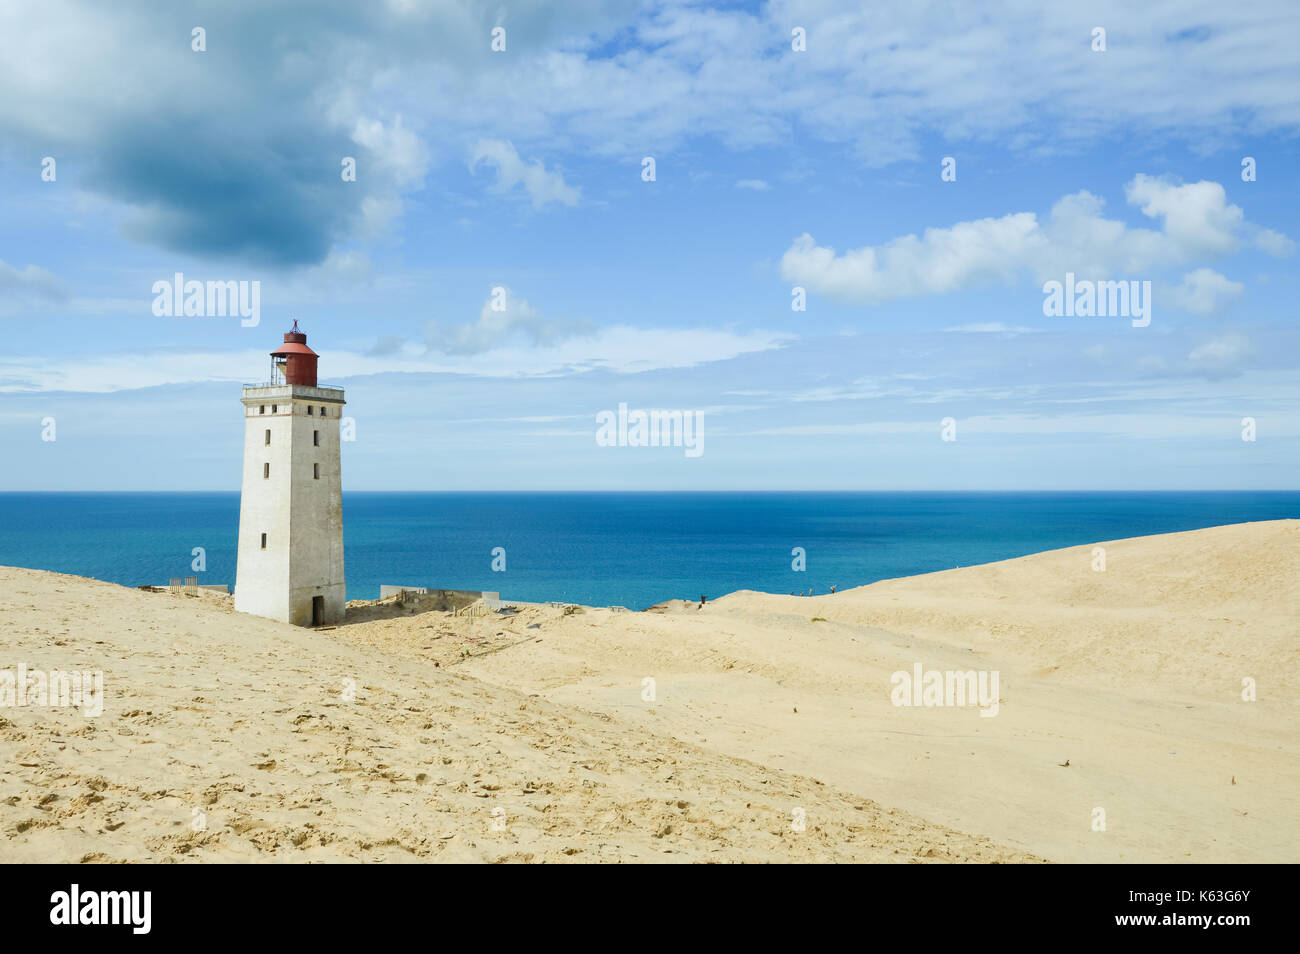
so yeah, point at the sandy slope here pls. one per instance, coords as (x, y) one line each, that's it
(1132, 675)
(243, 719)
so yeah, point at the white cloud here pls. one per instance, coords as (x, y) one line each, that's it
(395, 151)
(1205, 292)
(621, 349)
(542, 186)
(1274, 243)
(29, 280)
(1142, 425)
(1197, 216)
(377, 213)
(1196, 221)
(31, 290)
(1222, 356)
(992, 327)
(514, 321)
(880, 78)
(755, 185)
(943, 260)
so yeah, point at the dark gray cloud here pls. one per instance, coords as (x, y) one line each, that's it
(235, 152)
(190, 191)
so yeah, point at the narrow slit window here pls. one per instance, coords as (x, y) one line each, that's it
(315, 471)
(268, 437)
(275, 409)
(322, 412)
(264, 541)
(266, 471)
(315, 438)
(261, 409)
(310, 409)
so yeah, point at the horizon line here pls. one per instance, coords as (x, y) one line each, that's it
(763, 490)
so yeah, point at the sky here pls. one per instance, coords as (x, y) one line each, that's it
(471, 239)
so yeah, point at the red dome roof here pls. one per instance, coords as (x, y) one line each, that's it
(293, 347)
(299, 360)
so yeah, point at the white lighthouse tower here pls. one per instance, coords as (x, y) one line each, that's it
(291, 507)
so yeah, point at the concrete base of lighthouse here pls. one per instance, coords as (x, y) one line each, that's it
(300, 608)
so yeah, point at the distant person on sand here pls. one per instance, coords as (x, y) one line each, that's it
(702, 601)
(832, 589)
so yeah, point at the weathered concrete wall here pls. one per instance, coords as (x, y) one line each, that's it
(262, 575)
(316, 568)
(164, 587)
(426, 599)
(301, 515)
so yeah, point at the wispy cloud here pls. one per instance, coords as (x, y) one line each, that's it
(1222, 356)
(505, 319)
(617, 349)
(992, 327)
(28, 282)
(543, 186)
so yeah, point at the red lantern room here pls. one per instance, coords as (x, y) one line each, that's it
(293, 362)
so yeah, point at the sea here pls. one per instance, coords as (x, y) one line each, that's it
(614, 548)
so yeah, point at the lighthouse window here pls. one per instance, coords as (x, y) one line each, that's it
(315, 471)
(322, 412)
(261, 409)
(309, 409)
(266, 471)
(264, 541)
(275, 409)
(268, 437)
(315, 438)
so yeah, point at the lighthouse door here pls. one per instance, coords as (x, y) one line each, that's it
(317, 610)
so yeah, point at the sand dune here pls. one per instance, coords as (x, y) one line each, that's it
(239, 726)
(762, 705)
(1132, 675)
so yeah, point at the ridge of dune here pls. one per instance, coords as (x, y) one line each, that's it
(1183, 607)
(226, 737)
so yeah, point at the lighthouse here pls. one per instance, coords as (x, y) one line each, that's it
(291, 505)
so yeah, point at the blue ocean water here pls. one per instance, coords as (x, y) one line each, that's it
(628, 549)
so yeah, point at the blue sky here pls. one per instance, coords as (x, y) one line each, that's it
(775, 168)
